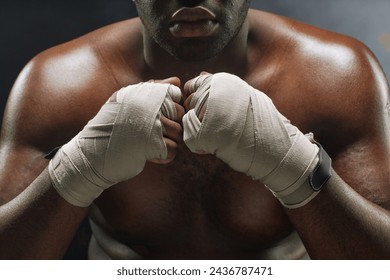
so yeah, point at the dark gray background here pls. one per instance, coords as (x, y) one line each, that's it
(30, 26)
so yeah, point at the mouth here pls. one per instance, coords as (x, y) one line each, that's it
(193, 22)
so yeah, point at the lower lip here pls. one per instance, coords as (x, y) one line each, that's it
(193, 29)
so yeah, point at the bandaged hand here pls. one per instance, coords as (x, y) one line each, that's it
(136, 124)
(241, 126)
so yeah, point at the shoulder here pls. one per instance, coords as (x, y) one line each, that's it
(315, 51)
(96, 55)
(59, 90)
(341, 70)
(323, 51)
(344, 80)
(336, 74)
(334, 86)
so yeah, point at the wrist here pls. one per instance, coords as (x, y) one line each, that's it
(310, 184)
(73, 178)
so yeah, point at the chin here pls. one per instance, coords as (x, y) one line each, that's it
(193, 58)
(194, 52)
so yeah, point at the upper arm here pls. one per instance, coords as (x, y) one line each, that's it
(21, 147)
(54, 96)
(359, 132)
(43, 112)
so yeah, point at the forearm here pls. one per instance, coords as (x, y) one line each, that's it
(38, 224)
(341, 224)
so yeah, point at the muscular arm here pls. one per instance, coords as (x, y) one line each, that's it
(51, 102)
(350, 218)
(35, 221)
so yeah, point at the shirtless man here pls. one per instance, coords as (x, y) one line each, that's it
(209, 196)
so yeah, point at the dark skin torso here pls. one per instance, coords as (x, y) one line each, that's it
(196, 206)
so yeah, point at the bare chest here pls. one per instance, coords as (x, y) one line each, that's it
(196, 203)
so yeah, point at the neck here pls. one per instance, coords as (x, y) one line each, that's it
(233, 59)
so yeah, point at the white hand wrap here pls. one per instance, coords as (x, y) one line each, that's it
(242, 127)
(116, 143)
